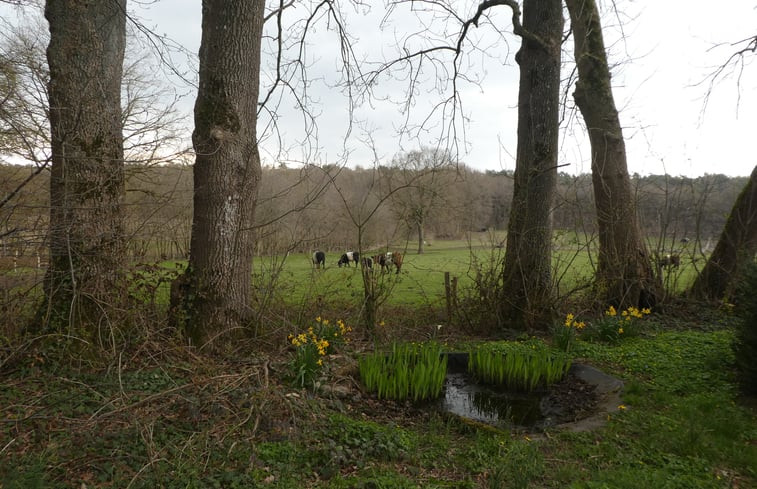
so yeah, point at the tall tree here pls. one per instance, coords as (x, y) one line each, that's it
(527, 284)
(735, 248)
(85, 57)
(624, 273)
(227, 168)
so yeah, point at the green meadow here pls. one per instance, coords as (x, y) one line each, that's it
(422, 280)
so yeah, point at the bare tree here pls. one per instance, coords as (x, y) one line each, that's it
(24, 118)
(361, 209)
(87, 242)
(624, 273)
(426, 173)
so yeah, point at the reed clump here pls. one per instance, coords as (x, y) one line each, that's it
(519, 366)
(409, 371)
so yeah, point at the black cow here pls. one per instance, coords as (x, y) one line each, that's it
(319, 259)
(346, 258)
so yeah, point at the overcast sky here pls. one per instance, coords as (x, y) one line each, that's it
(661, 61)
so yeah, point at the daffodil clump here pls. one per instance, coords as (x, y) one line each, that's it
(564, 335)
(313, 346)
(335, 333)
(612, 327)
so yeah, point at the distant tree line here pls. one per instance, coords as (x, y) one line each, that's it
(158, 209)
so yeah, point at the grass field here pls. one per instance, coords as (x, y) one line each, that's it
(422, 279)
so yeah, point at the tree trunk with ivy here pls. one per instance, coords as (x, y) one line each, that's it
(526, 300)
(624, 274)
(216, 290)
(735, 249)
(87, 244)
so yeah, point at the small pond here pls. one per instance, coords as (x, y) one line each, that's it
(490, 404)
(500, 407)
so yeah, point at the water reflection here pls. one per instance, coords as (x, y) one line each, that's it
(490, 404)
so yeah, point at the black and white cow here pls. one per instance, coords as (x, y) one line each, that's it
(350, 256)
(319, 259)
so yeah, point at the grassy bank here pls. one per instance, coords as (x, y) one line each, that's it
(160, 416)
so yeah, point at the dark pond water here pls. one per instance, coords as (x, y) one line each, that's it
(494, 405)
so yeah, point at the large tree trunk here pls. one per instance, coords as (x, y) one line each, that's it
(227, 168)
(526, 302)
(624, 273)
(87, 245)
(736, 247)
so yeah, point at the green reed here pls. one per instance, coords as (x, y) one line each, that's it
(521, 366)
(414, 371)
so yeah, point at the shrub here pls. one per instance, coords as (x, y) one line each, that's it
(523, 366)
(745, 340)
(410, 371)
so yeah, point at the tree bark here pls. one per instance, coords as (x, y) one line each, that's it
(87, 244)
(624, 273)
(527, 283)
(227, 169)
(735, 248)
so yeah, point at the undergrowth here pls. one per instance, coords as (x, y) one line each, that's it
(163, 417)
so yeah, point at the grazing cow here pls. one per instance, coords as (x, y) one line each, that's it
(381, 261)
(388, 259)
(670, 261)
(367, 263)
(319, 259)
(396, 258)
(346, 258)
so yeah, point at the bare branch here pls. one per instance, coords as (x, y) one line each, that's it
(735, 63)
